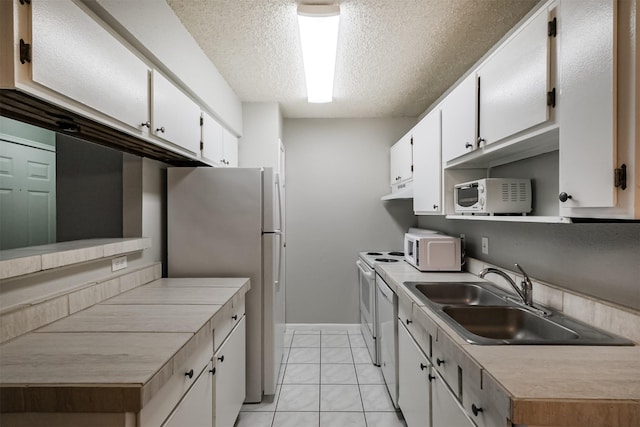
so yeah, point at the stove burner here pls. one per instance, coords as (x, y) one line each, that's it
(386, 260)
(396, 253)
(374, 253)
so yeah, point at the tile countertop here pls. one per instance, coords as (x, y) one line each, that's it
(114, 355)
(547, 385)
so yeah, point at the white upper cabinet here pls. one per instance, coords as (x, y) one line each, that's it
(587, 116)
(77, 57)
(459, 115)
(401, 166)
(513, 83)
(427, 173)
(218, 144)
(230, 148)
(174, 116)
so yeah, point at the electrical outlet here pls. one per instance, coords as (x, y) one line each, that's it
(485, 245)
(119, 263)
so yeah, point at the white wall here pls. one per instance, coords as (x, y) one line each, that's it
(337, 170)
(259, 145)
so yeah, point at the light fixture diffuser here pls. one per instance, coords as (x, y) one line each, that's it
(319, 38)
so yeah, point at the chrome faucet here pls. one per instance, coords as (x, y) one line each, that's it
(525, 292)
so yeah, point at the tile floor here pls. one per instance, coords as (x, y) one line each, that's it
(327, 380)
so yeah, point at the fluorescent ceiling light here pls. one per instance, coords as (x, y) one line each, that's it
(319, 37)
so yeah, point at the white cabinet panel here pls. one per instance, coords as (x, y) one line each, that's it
(212, 139)
(230, 374)
(587, 116)
(401, 166)
(196, 408)
(230, 148)
(76, 56)
(514, 83)
(447, 412)
(427, 173)
(459, 119)
(174, 116)
(414, 394)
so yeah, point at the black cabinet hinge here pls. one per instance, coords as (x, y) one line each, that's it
(551, 98)
(620, 177)
(201, 145)
(201, 121)
(23, 2)
(552, 28)
(25, 52)
(411, 140)
(411, 168)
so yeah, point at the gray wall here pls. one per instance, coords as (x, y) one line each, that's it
(602, 260)
(337, 170)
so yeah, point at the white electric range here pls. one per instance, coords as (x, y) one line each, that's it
(368, 306)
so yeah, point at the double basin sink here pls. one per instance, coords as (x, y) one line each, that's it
(482, 313)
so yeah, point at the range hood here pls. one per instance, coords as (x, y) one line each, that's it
(406, 192)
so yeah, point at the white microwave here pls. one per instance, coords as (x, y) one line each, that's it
(493, 196)
(433, 252)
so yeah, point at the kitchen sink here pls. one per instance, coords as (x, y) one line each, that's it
(459, 293)
(482, 313)
(508, 324)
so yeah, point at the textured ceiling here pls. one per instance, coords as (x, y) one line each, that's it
(395, 57)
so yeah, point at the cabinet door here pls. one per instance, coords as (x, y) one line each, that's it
(414, 393)
(77, 57)
(230, 149)
(514, 83)
(587, 116)
(196, 408)
(230, 377)
(459, 119)
(446, 410)
(212, 139)
(427, 168)
(401, 166)
(174, 116)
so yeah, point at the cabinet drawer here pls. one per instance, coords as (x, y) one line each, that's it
(492, 405)
(226, 319)
(180, 373)
(446, 355)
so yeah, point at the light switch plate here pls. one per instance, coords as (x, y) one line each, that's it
(119, 263)
(485, 245)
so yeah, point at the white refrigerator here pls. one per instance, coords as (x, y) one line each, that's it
(226, 222)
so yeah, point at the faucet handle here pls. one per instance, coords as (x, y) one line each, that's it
(527, 286)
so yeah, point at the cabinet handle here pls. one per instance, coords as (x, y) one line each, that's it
(475, 409)
(440, 362)
(221, 358)
(481, 140)
(409, 321)
(435, 207)
(468, 145)
(160, 129)
(234, 317)
(423, 366)
(564, 197)
(146, 124)
(189, 374)
(431, 377)
(212, 371)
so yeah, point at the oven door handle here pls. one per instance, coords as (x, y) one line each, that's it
(367, 274)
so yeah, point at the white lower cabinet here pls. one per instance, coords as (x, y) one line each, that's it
(196, 407)
(229, 375)
(446, 411)
(414, 395)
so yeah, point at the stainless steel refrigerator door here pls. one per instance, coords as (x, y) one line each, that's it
(214, 229)
(273, 309)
